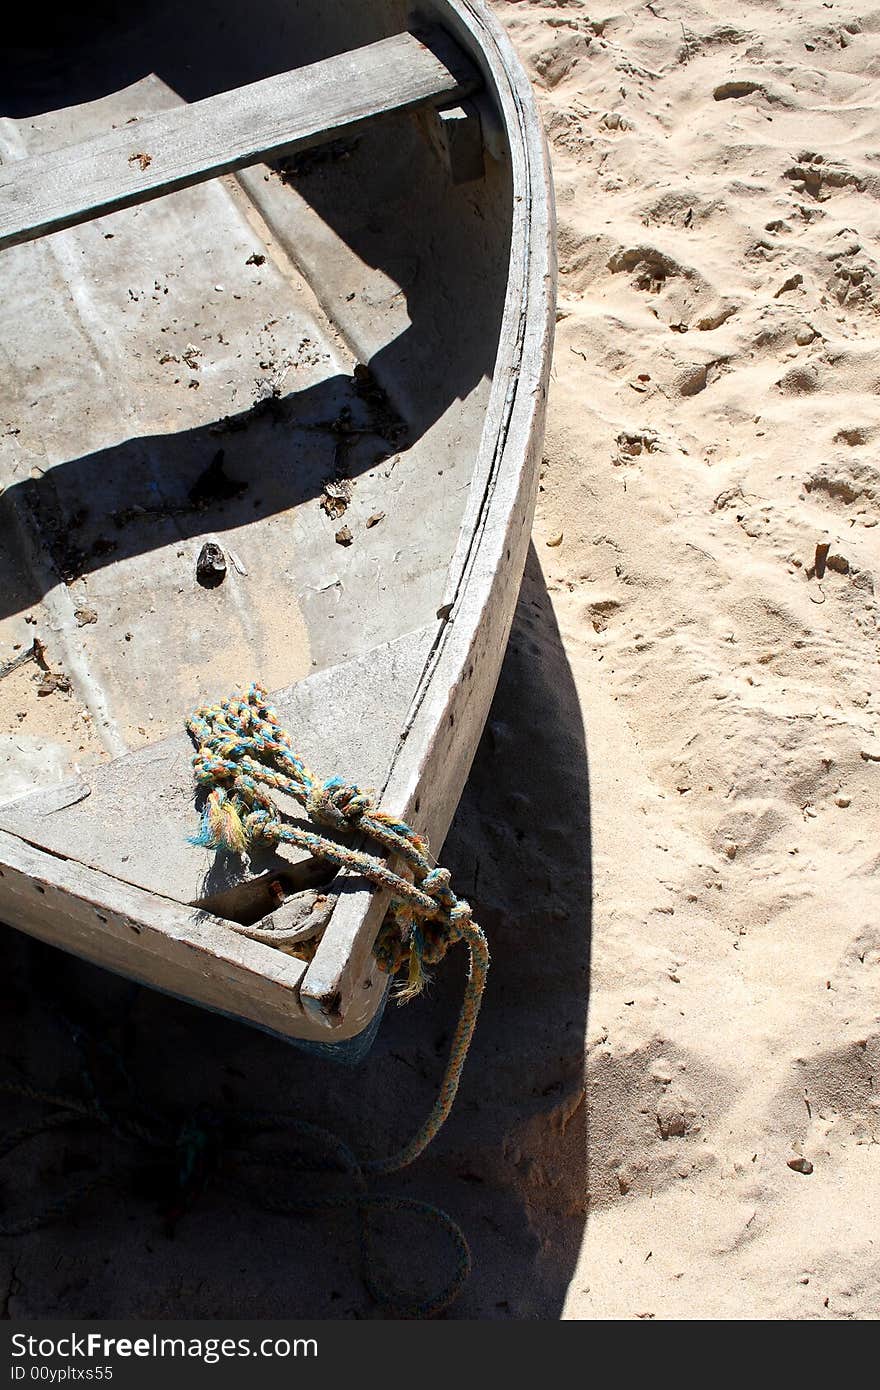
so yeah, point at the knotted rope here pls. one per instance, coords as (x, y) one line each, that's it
(241, 751)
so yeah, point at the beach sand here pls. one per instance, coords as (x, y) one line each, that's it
(714, 419)
(670, 833)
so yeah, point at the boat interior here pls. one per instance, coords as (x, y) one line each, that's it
(239, 422)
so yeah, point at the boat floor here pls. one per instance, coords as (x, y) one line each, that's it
(171, 378)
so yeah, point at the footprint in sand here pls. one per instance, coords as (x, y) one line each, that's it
(846, 482)
(813, 175)
(730, 91)
(688, 300)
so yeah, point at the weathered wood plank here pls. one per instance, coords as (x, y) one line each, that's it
(230, 131)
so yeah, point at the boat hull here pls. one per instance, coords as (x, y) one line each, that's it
(443, 671)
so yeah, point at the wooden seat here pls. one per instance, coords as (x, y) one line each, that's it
(196, 142)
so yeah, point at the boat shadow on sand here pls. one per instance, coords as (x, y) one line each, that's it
(511, 1164)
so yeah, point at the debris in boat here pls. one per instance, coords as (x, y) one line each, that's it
(341, 424)
(211, 565)
(344, 536)
(53, 681)
(60, 535)
(265, 391)
(374, 519)
(556, 540)
(242, 569)
(383, 417)
(299, 165)
(35, 652)
(144, 160)
(84, 616)
(281, 371)
(336, 497)
(255, 259)
(214, 484)
(191, 356)
(268, 404)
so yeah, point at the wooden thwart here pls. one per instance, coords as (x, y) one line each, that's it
(220, 134)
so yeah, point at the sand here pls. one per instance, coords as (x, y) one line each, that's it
(670, 832)
(714, 419)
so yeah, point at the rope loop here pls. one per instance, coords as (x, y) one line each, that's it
(337, 806)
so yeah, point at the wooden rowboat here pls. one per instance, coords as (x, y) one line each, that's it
(276, 304)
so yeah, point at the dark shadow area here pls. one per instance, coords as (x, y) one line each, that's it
(510, 1166)
(71, 56)
(157, 490)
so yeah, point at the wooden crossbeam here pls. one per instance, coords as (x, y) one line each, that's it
(264, 120)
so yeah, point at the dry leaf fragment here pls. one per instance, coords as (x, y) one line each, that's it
(336, 497)
(344, 536)
(52, 682)
(144, 160)
(556, 540)
(374, 519)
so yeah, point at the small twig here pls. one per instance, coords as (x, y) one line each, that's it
(699, 551)
(821, 560)
(36, 652)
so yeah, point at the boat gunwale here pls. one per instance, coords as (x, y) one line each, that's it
(528, 321)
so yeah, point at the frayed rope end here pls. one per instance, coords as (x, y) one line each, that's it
(221, 826)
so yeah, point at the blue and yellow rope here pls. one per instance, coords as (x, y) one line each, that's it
(242, 755)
